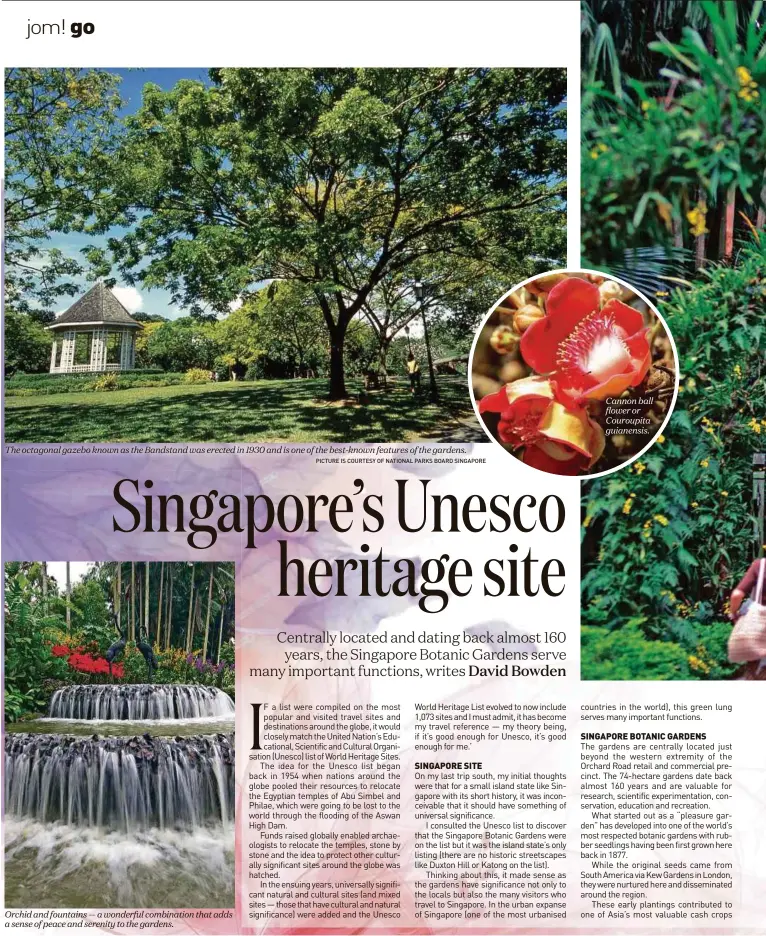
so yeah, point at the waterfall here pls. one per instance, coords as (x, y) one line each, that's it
(125, 783)
(139, 702)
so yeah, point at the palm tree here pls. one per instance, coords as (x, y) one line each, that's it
(188, 643)
(132, 601)
(68, 599)
(207, 615)
(146, 601)
(169, 613)
(159, 606)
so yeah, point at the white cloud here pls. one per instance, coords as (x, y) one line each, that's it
(235, 304)
(130, 297)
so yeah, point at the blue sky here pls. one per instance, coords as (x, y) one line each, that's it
(152, 301)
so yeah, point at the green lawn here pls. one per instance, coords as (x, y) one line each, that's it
(267, 410)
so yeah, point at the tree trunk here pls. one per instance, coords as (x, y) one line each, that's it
(45, 587)
(159, 608)
(726, 240)
(68, 599)
(385, 347)
(207, 615)
(188, 641)
(169, 615)
(132, 635)
(118, 601)
(220, 633)
(147, 629)
(337, 373)
(678, 231)
(433, 390)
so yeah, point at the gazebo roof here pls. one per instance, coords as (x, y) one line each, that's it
(99, 306)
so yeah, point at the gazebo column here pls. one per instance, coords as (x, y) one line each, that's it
(125, 350)
(54, 348)
(98, 350)
(66, 362)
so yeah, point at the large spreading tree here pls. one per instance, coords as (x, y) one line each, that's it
(60, 132)
(336, 179)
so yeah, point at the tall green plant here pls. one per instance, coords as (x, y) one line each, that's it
(28, 660)
(658, 156)
(669, 538)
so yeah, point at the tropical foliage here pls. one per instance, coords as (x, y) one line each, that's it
(674, 128)
(55, 637)
(665, 542)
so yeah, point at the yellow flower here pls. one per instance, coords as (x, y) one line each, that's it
(695, 504)
(661, 293)
(755, 426)
(691, 383)
(640, 468)
(737, 371)
(660, 439)
(699, 665)
(748, 88)
(744, 75)
(662, 520)
(696, 218)
(704, 463)
(646, 105)
(628, 505)
(724, 493)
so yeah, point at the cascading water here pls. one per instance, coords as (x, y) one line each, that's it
(142, 817)
(120, 783)
(138, 702)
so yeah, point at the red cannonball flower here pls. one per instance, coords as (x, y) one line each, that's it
(60, 650)
(555, 438)
(591, 352)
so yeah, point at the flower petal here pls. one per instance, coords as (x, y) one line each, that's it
(568, 426)
(573, 386)
(494, 402)
(626, 318)
(527, 386)
(568, 303)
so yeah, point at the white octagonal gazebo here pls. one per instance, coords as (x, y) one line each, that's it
(95, 334)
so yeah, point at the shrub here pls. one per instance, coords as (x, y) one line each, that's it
(197, 375)
(625, 653)
(106, 382)
(40, 384)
